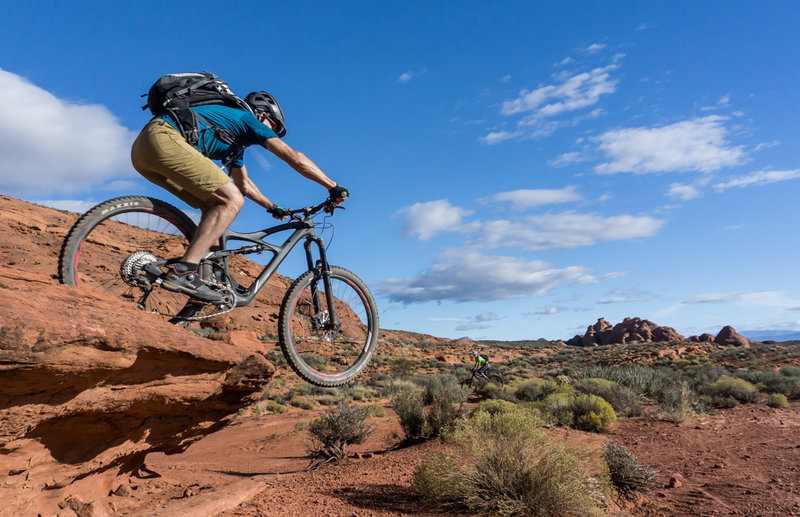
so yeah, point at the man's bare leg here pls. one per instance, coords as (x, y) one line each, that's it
(218, 213)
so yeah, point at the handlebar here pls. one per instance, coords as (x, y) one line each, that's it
(328, 206)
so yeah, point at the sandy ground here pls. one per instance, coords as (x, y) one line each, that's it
(742, 461)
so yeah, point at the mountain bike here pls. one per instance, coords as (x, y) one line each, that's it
(328, 320)
(477, 381)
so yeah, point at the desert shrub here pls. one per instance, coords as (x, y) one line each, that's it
(340, 426)
(491, 390)
(407, 403)
(777, 400)
(302, 402)
(722, 401)
(621, 398)
(327, 400)
(402, 366)
(269, 406)
(302, 425)
(677, 400)
(376, 410)
(535, 389)
(577, 410)
(733, 387)
(791, 371)
(770, 381)
(276, 357)
(429, 412)
(503, 464)
(358, 393)
(557, 409)
(627, 475)
(495, 406)
(592, 413)
(642, 380)
(442, 399)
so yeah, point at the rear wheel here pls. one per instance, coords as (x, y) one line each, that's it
(319, 353)
(108, 246)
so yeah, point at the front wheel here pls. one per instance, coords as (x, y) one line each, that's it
(320, 353)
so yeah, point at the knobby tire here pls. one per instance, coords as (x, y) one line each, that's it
(325, 357)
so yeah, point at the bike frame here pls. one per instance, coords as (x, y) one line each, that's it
(303, 229)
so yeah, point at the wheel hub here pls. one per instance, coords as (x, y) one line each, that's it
(131, 268)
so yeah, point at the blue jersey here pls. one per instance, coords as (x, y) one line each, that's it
(241, 124)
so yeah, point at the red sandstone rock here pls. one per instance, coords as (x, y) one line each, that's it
(89, 385)
(729, 337)
(630, 330)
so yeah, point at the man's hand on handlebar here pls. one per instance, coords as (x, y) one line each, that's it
(278, 212)
(338, 194)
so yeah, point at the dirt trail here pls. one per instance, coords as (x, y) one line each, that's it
(744, 462)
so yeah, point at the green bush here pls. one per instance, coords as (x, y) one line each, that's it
(302, 402)
(535, 390)
(503, 464)
(407, 403)
(621, 398)
(340, 426)
(627, 475)
(577, 410)
(442, 399)
(677, 400)
(777, 400)
(592, 413)
(495, 406)
(733, 387)
(376, 410)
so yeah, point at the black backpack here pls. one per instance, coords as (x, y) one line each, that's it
(485, 357)
(176, 93)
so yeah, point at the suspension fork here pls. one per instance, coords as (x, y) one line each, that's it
(321, 270)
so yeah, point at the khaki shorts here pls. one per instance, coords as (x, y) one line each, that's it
(164, 157)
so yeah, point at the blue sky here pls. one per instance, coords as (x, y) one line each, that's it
(518, 169)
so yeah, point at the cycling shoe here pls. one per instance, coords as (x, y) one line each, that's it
(189, 283)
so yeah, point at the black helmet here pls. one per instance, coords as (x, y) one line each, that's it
(263, 101)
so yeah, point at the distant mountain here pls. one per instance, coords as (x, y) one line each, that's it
(771, 335)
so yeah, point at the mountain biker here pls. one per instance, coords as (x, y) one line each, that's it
(481, 364)
(165, 158)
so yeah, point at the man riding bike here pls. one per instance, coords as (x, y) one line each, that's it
(164, 157)
(481, 364)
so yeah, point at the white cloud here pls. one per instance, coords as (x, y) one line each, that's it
(495, 137)
(566, 230)
(411, 74)
(758, 178)
(549, 310)
(684, 192)
(564, 62)
(71, 205)
(466, 275)
(487, 316)
(505, 79)
(432, 218)
(576, 92)
(528, 198)
(765, 298)
(595, 48)
(694, 145)
(49, 145)
(565, 159)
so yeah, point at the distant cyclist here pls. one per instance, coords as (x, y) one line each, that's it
(481, 364)
(163, 156)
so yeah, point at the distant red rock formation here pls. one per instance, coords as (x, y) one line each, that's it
(638, 330)
(630, 330)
